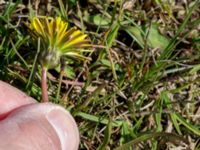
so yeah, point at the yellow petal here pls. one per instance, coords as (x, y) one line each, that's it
(51, 31)
(75, 41)
(61, 28)
(75, 33)
(66, 36)
(46, 26)
(38, 26)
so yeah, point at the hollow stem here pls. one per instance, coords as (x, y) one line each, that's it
(44, 85)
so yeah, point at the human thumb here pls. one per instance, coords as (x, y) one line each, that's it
(40, 126)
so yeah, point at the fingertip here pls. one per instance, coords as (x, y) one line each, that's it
(66, 128)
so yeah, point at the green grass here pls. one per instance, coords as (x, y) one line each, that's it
(141, 88)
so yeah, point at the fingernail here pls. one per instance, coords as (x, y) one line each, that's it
(65, 127)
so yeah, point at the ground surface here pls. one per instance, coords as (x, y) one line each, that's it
(140, 90)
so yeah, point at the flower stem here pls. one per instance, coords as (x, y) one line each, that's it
(44, 85)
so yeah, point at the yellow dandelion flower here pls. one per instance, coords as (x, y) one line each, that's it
(58, 40)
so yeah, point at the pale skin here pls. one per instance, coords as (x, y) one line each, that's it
(28, 125)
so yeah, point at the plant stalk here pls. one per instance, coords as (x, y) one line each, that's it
(44, 85)
(59, 84)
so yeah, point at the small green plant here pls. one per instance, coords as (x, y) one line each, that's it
(141, 89)
(57, 41)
